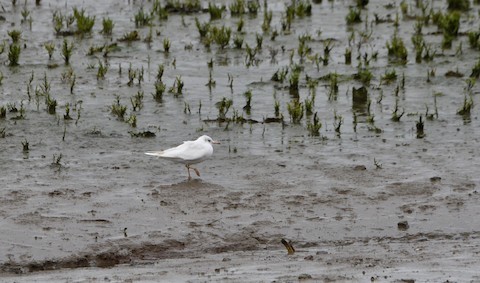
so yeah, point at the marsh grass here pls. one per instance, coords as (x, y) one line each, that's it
(238, 41)
(314, 126)
(12, 107)
(177, 87)
(186, 108)
(333, 90)
(160, 71)
(102, 70)
(45, 85)
(14, 54)
(303, 49)
(67, 116)
(420, 128)
(25, 13)
(211, 82)
(240, 25)
(67, 50)
(475, 70)
(364, 75)
(132, 120)
(237, 7)
(25, 145)
(221, 36)
(142, 19)
(396, 116)
(337, 123)
(159, 90)
(84, 23)
(215, 11)
(130, 36)
(203, 28)
(295, 110)
(276, 108)
(252, 7)
(466, 108)
(223, 106)
(183, 6)
(20, 112)
(267, 20)
(250, 57)
(354, 16)
(15, 35)
(50, 47)
(280, 75)
(248, 103)
(118, 109)
(294, 79)
(309, 104)
(274, 35)
(348, 56)
(397, 50)
(166, 45)
(107, 26)
(136, 101)
(450, 25)
(389, 76)
(132, 74)
(72, 83)
(259, 40)
(51, 104)
(56, 161)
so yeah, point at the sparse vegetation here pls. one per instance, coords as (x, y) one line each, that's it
(14, 54)
(295, 110)
(118, 109)
(397, 50)
(67, 50)
(223, 106)
(107, 26)
(314, 126)
(50, 47)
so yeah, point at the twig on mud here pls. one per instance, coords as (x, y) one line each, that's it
(289, 246)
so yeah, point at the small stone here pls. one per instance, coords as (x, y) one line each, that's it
(310, 257)
(360, 168)
(402, 225)
(304, 276)
(226, 259)
(435, 179)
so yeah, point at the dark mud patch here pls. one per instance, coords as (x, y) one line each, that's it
(412, 189)
(121, 254)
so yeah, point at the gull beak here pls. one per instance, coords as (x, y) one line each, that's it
(215, 142)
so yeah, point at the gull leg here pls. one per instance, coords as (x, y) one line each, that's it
(196, 171)
(188, 170)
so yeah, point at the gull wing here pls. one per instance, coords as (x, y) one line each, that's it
(189, 151)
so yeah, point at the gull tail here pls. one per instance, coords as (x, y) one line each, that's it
(155, 153)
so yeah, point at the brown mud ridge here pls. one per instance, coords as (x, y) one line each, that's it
(173, 249)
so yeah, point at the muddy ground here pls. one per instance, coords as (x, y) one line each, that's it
(375, 202)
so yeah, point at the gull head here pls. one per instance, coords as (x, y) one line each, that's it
(208, 139)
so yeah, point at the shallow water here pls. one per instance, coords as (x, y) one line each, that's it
(266, 181)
